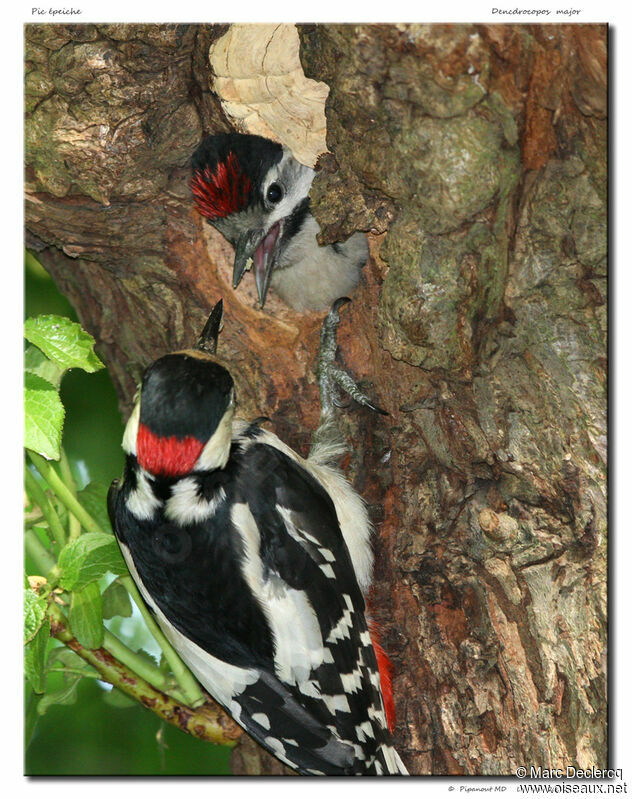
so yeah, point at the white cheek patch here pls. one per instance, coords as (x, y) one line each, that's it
(217, 449)
(131, 431)
(295, 178)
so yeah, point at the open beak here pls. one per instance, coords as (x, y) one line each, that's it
(261, 247)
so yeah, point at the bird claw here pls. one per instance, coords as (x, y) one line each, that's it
(331, 377)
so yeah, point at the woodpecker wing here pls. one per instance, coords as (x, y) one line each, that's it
(323, 652)
(249, 576)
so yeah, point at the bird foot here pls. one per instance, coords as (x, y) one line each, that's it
(327, 442)
(330, 377)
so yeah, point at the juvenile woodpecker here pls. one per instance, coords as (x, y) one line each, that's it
(256, 194)
(255, 563)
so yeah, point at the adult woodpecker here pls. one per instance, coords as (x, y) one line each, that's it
(256, 194)
(255, 562)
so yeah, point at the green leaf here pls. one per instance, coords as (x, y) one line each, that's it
(163, 664)
(147, 656)
(87, 559)
(66, 658)
(34, 614)
(44, 417)
(63, 341)
(65, 696)
(63, 659)
(116, 601)
(94, 498)
(42, 530)
(85, 616)
(35, 658)
(36, 363)
(74, 668)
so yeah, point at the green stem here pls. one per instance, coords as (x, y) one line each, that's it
(145, 669)
(74, 526)
(38, 495)
(141, 666)
(38, 553)
(209, 723)
(78, 672)
(186, 681)
(66, 496)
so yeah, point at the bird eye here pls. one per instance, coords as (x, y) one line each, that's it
(274, 193)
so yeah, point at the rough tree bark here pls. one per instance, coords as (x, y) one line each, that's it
(476, 157)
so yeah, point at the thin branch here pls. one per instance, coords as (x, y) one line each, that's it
(189, 686)
(63, 492)
(187, 682)
(141, 666)
(74, 526)
(38, 495)
(209, 722)
(44, 561)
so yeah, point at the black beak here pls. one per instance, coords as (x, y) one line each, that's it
(245, 248)
(262, 248)
(208, 339)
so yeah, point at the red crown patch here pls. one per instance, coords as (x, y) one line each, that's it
(223, 192)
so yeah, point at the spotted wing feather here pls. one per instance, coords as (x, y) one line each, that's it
(301, 546)
(263, 585)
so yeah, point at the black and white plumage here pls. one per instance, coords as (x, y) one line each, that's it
(256, 194)
(254, 562)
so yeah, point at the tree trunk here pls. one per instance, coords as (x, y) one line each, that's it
(476, 157)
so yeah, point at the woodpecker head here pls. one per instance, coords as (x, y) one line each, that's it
(256, 194)
(183, 418)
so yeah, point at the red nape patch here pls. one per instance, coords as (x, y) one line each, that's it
(222, 193)
(385, 668)
(169, 456)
